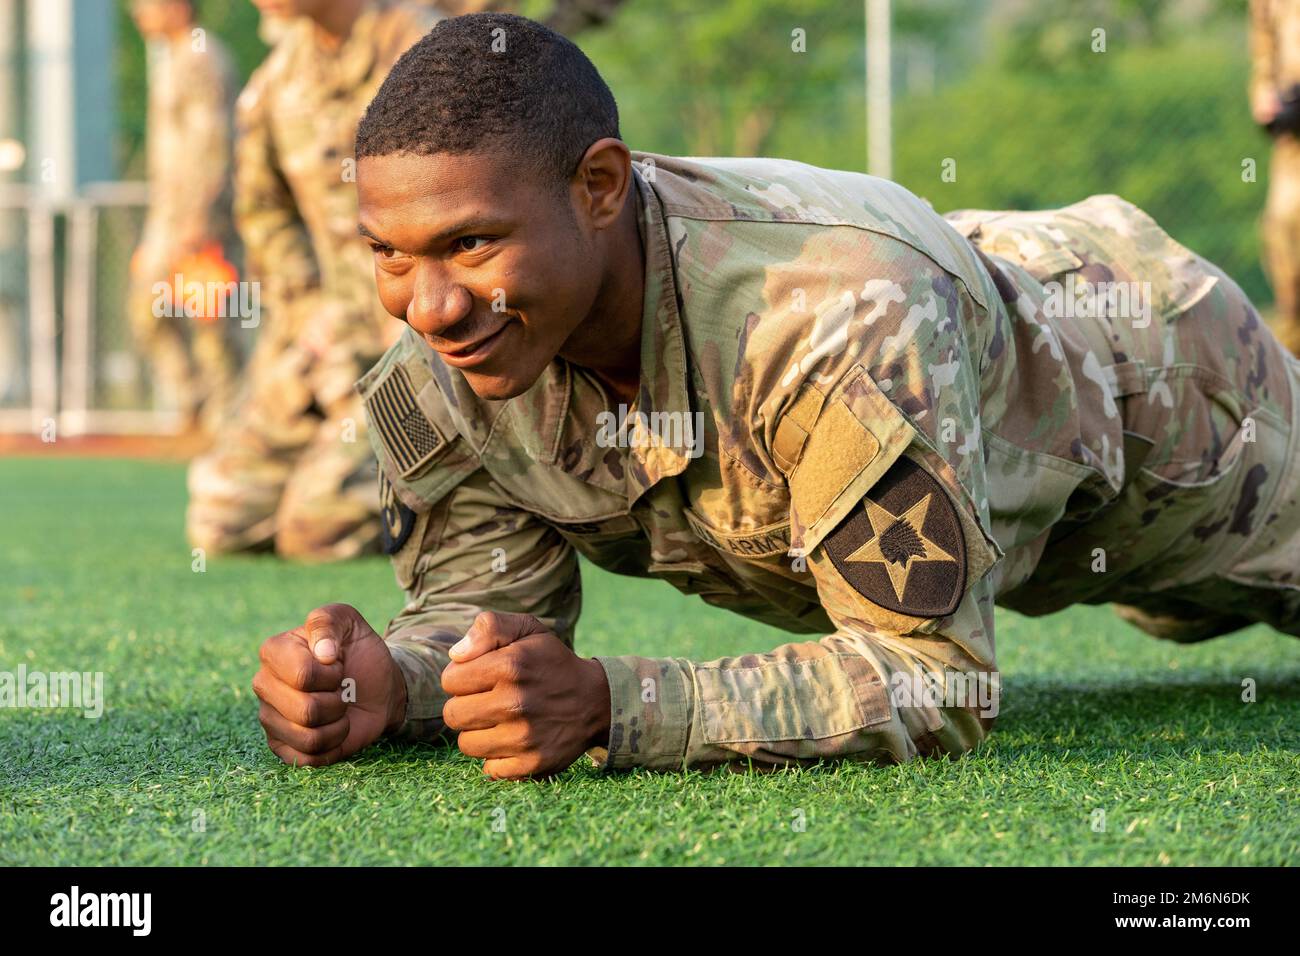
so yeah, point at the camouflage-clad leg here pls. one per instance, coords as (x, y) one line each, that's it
(236, 487)
(1255, 582)
(1280, 232)
(195, 363)
(330, 505)
(292, 470)
(1204, 537)
(161, 340)
(216, 361)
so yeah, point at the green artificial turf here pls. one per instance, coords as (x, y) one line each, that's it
(95, 575)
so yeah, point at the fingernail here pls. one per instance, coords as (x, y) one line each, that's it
(326, 649)
(461, 646)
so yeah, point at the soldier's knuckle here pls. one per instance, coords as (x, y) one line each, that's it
(518, 705)
(321, 616)
(450, 715)
(513, 669)
(528, 735)
(301, 673)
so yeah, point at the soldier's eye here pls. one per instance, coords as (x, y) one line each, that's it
(385, 252)
(471, 243)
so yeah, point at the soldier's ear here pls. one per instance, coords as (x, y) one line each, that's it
(603, 178)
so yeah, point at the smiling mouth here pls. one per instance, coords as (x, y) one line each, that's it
(467, 350)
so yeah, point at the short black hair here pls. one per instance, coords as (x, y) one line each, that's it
(488, 81)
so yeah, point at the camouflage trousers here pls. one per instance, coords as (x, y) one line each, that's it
(1204, 536)
(291, 470)
(195, 363)
(1280, 235)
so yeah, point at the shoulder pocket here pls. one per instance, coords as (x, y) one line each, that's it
(854, 440)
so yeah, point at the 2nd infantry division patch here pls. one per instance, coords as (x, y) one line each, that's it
(395, 519)
(903, 547)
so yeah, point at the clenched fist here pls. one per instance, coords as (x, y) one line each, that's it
(521, 699)
(310, 715)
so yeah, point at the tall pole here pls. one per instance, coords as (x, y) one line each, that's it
(879, 124)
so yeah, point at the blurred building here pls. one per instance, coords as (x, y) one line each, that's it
(57, 123)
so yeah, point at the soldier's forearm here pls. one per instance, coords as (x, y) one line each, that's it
(818, 700)
(421, 655)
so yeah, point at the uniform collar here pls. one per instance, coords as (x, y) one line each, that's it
(663, 349)
(548, 405)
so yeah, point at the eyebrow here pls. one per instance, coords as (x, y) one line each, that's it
(369, 235)
(465, 225)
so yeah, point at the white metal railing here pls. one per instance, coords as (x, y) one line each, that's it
(63, 392)
(41, 321)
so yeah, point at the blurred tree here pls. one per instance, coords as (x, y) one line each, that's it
(747, 77)
(1166, 127)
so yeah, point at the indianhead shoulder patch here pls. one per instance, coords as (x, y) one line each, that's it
(903, 547)
(395, 519)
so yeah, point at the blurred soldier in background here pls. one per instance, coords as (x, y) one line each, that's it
(187, 230)
(1275, 105)
(291, 470)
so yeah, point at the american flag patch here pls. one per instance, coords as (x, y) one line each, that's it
(407, 433)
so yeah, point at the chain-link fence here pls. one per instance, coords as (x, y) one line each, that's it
(120, 377)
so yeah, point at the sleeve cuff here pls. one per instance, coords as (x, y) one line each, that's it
(424, 694)
(650, 714)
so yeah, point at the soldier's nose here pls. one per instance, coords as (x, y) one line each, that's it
(436, 307)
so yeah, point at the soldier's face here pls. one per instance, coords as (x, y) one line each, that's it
(156, 19)
(492, 268)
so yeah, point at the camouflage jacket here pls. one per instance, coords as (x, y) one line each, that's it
(855, 421)
(295, 193)
(1274, 44)
(191, 102)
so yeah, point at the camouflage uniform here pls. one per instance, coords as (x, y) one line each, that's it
(293, 468)
(1275, 66)
(191, 97)
(902, 425)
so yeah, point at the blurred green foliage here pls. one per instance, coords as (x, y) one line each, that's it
(1013, 90)
(1165, 127)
